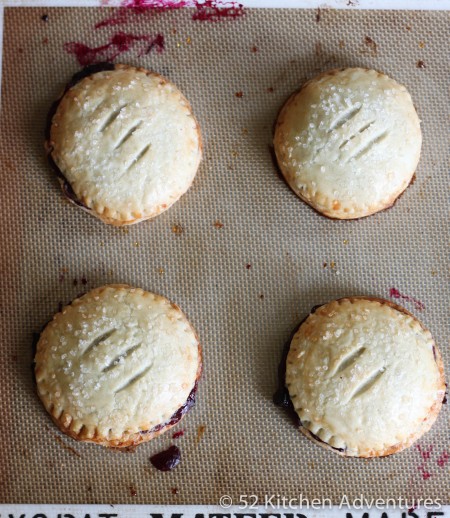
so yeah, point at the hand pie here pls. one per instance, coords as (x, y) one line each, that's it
(124, 142)
(348, 142)
(118, 366)
(365, 377)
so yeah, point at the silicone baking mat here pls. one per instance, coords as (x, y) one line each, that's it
(240, 253)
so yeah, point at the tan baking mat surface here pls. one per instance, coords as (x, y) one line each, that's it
(246, 285)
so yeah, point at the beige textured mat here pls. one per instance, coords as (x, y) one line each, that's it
(246, 285)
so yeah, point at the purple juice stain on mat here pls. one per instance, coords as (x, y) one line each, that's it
(207, 10)
(178, 434)
(123, 14)
(117, 45)
(425, 474)
(443, 459)
(120, 17)
(213, 11)
(425, 453)
(144, 5)
(166, 460)
(395, 294)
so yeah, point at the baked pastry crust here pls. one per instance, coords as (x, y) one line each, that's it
(126, 142)
(365, 377)
(118, 366)
(348, 142)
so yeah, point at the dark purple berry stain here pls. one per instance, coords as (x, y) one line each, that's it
(395, 294)
(205, 10)
(166, 460)
(116, 45)
(212, 11)
(190, 402)
(443, 459)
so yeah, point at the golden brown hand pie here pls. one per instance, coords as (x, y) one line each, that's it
(125, 142)
(348, 142)
(365, 377)
(118, 366)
